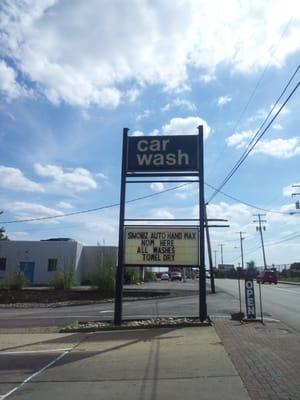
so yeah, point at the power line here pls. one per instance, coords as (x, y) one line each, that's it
(245, 202)
(134, 200)
(93, 209)
(272, 52)
(259, 135)
(268, 244)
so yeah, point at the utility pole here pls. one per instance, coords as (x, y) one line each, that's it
(260, 228)
(221, 245)
(215, 251)
(212, 278)
(297, 204)
(242, 250)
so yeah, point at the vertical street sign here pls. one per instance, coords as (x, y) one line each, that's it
(250, 299)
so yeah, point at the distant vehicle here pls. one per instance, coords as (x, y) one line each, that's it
(267, 276)
(164, 277)
(176, 276)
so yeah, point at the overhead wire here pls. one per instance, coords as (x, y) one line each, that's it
(49, 217)
(268, 244)
(259, 135)
(272, 52)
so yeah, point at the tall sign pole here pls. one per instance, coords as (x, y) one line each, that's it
(211, 268)
(202, 281)
(120, 269)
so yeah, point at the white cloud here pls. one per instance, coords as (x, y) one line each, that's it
(289, 190)
(182, 103)
(132, 94)
(14, 179)
(162, 213)
(223, 100)
(64, 205)
(181, 126)
(137, 133)
(185, 191)
(157, 186)
(279, 148)
(82, 55)
(207, 78)
(239, 140)
(235, 213)
(8, 82)
(145, 114)
(78, 179)
(277, 127)
(101, 175)
(31, 210)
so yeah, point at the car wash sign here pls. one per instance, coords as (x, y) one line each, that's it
(161, 245)
(162, 153)
(250, 299)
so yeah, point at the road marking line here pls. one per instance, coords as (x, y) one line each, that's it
(34, 351)
(289, 291)
(5, 396)
(105, 311)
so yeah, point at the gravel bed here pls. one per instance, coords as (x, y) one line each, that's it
(167, 322)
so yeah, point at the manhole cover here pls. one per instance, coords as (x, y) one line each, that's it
(273, 331)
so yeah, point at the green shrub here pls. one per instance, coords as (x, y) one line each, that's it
(149, 276)
(104, 280)
(131, 277)
(16, 281)
(63, 280)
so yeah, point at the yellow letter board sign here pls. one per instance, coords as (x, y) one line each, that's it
(161, 245)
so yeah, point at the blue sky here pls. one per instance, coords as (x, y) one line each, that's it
(73, 74)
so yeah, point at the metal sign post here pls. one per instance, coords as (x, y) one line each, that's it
(161, 156)
(119, 275)
(202, 277)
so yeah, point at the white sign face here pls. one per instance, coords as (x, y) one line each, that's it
(160, 245)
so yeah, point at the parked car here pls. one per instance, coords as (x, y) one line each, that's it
(165, 277)
(267, 276)
(176, 276)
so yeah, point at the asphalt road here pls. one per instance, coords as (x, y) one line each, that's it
(280, 302)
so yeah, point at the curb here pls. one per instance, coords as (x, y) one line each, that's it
(290, 283)
(154, 324)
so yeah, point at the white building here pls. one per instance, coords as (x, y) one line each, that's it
(39, 260)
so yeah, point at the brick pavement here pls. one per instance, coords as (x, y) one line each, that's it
(267, 357)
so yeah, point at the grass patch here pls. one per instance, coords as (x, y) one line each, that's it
(15, 282)
(63, 280)
(294, 279)
(104, 280)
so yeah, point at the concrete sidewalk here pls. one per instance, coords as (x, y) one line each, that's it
(150, 364)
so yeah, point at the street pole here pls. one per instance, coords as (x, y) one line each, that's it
(242, 250)
(221, 245)
(260, 229)
(120, 268)
(215, 251)
(202, 282)
(211, 269)
(239, 270)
